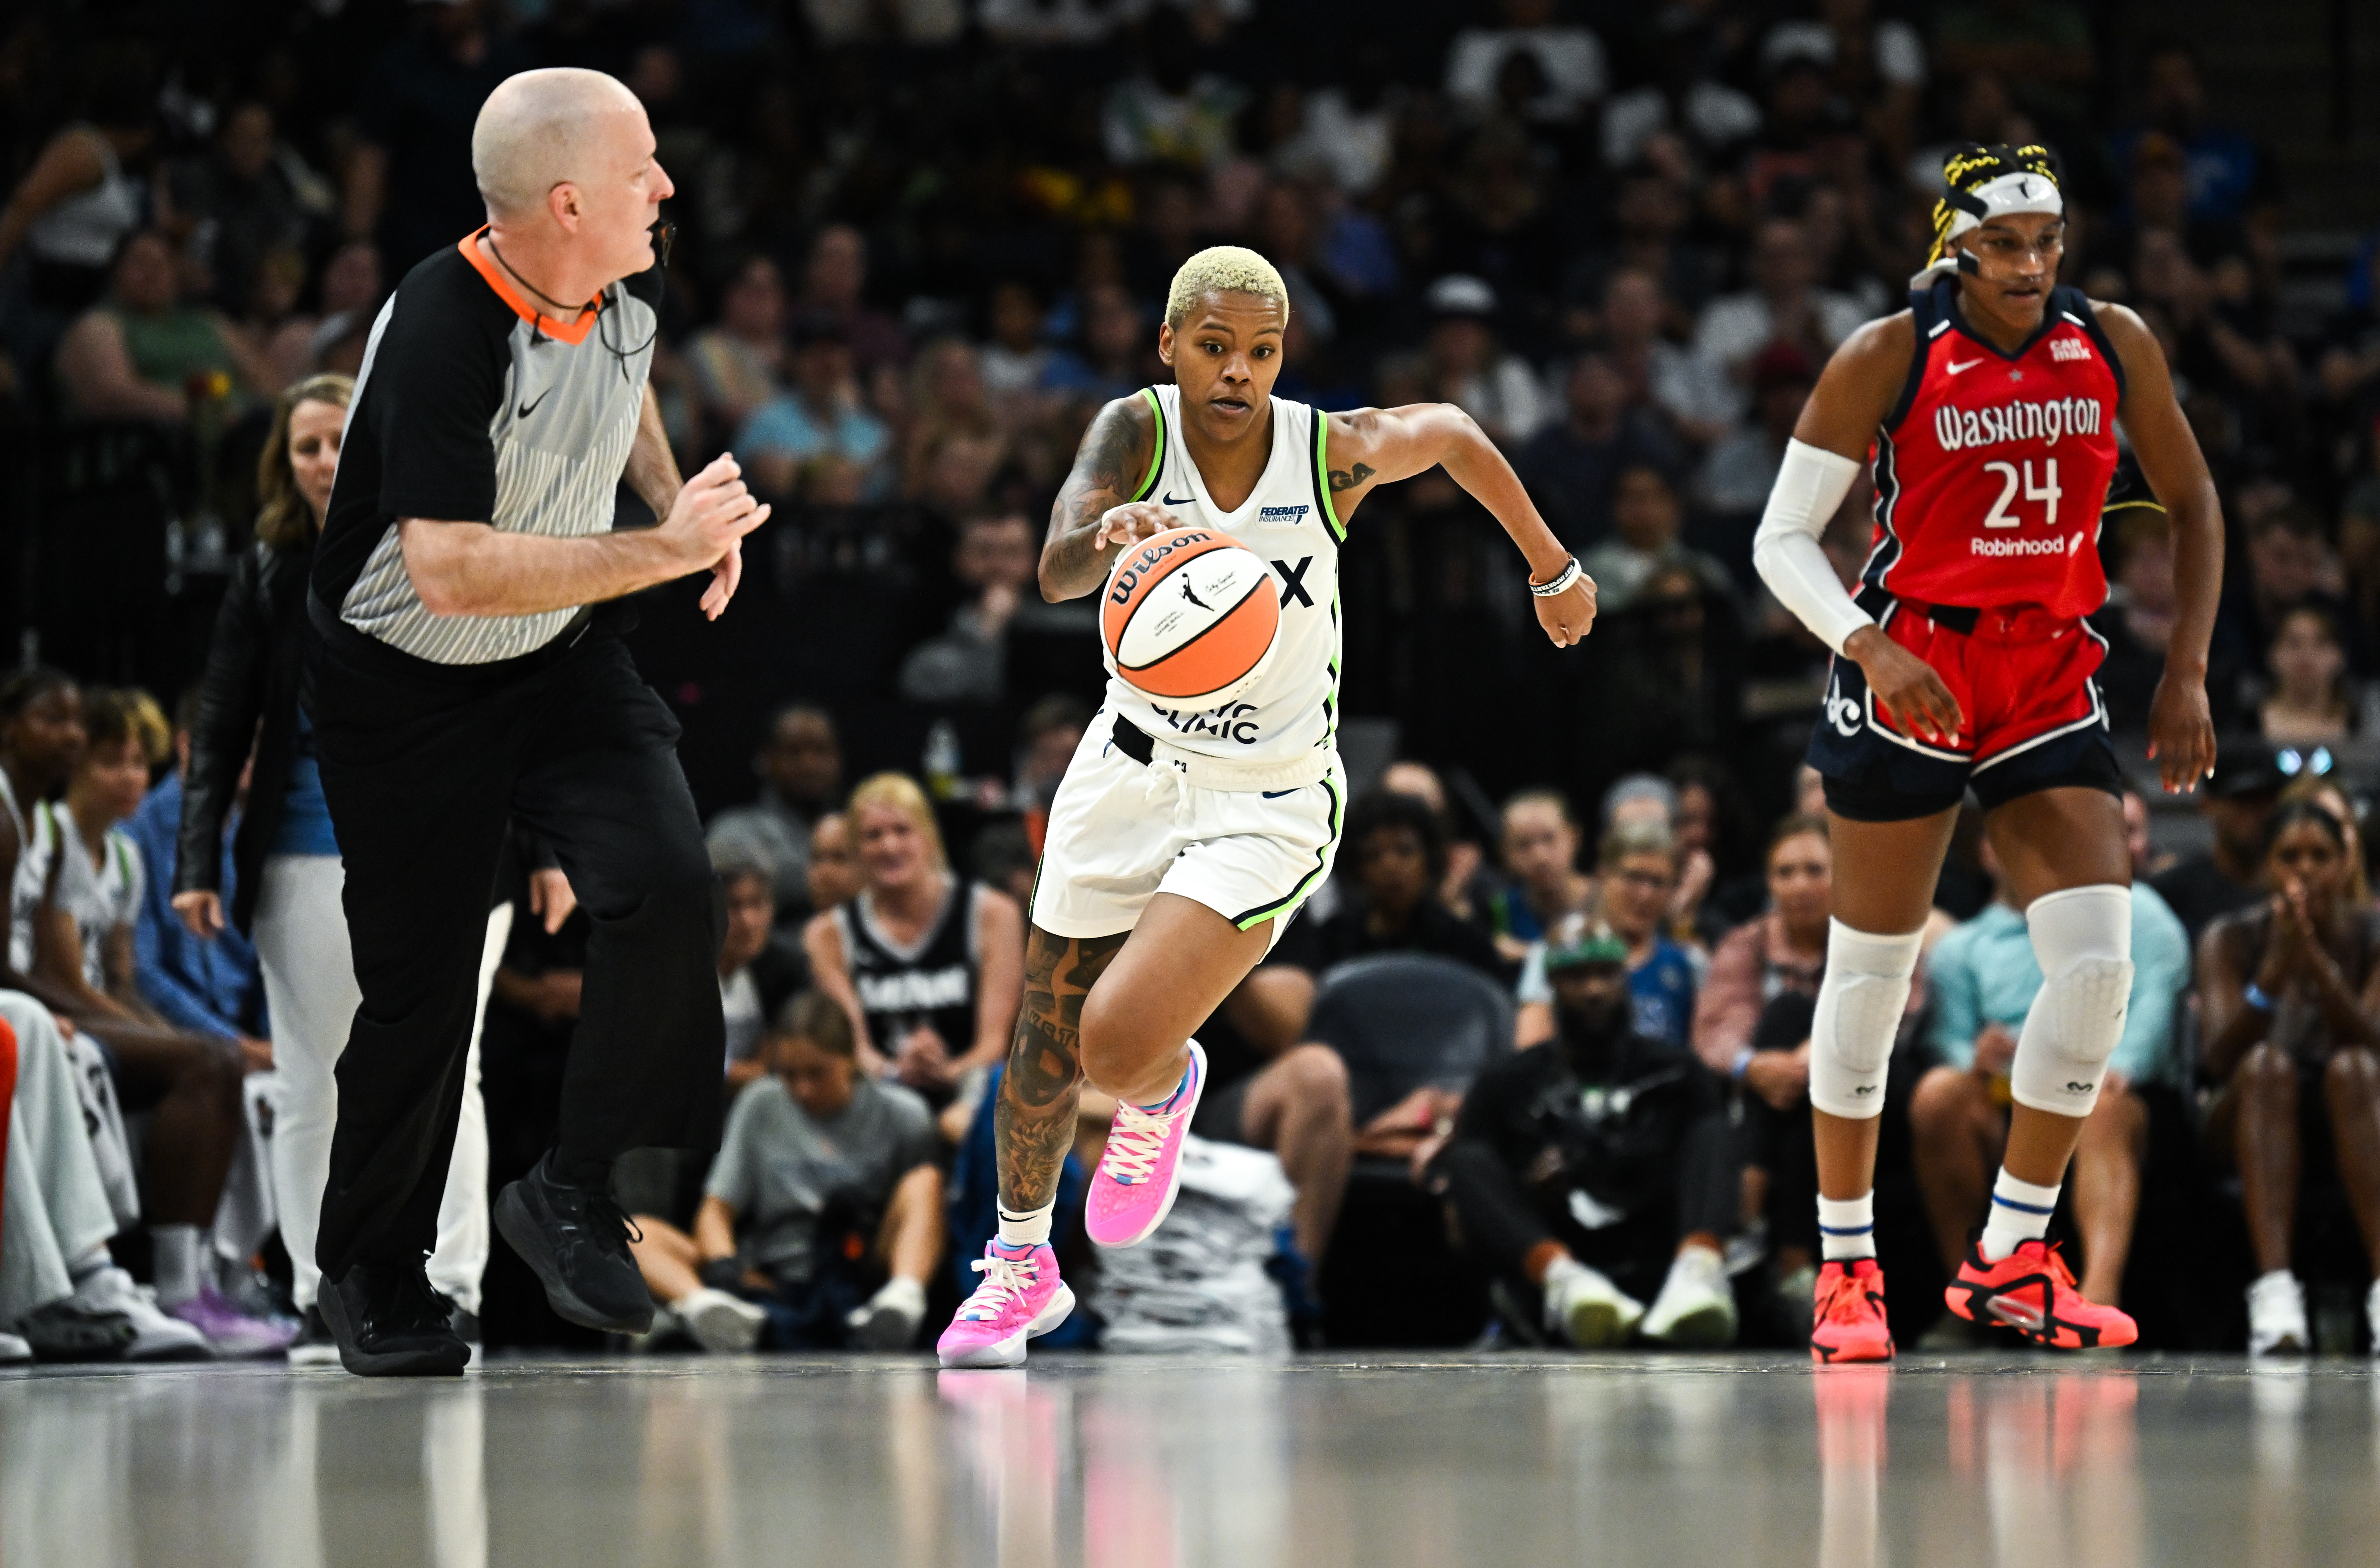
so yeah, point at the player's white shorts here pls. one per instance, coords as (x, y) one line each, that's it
(1124, 831)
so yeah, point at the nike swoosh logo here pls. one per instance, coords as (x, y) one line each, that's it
(526, 410)
(1276, 794)
(1954, 367)
(1175, 500)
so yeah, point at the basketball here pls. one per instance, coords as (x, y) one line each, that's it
(1190, 616)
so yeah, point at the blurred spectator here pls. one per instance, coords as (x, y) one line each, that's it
(757, 975)
(1740, 470)
(2325, 791)
(1167, 110)
(2289, 563)
(835, 868)
(800, 765)
(1683, 107)
(1115, 360)
(739, 364)
(930, 964)
(208, 984)
(947, 397)
(2043, 46)
(2139, 842)
(1982, 977)
(1047, 737)
(2232, 180)
(924, 22)
(1867, 58)
(1694, 394)
(1571, 467)
(248, 200)
(1639, 800)
(2290, 989)
(834, 287)
(82, 195)
(1783, 305)
(819, 420)
(1540, 854)
(1016, 360)
(2237, 801)
(1645, 508)
(1593, 1169)
(1350, 128)
(1395, 848)
(823, 1218)
(84, 871)
(1468, 886)
(1637, 868)
(408, 178)
(996, 560)
(144, 353)
(1784, 951)
(1464, 367)
(333, 341)
(2137, 622)
(1569, 61)
(2307, 703)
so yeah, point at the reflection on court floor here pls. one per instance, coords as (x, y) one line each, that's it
(1999, 1461)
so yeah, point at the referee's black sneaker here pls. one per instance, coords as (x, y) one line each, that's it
(390, 1323)
(577, 1239)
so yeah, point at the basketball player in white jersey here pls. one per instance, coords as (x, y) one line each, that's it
(1181, 842)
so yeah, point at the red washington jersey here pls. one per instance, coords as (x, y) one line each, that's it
(1991, 470)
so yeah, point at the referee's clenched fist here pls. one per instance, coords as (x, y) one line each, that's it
(467, 676)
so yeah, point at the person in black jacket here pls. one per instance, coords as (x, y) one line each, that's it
(1584, 1171)
(287, 877)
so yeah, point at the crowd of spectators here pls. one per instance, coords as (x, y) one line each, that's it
(914, 247)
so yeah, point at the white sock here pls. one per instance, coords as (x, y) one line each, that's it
(905, 1296)
(90, 1263)
(1026, 1230)
(1847, 1227)
(177, 1260)
(2019, 1213)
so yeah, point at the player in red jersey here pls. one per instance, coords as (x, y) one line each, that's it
(1989, 409)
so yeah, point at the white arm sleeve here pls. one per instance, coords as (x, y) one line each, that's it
(1811, 484)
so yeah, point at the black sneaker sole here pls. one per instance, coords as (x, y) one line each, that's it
(519, 1228)
(427, 1361)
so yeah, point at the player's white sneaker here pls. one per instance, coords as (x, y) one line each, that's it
(720, 1322)
(1695, 1307)
(1586, 1308)
(2277, 1316)
(14, 1351)
(162, 1337)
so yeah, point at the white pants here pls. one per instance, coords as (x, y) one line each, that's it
(56, 1205)
(310, 986)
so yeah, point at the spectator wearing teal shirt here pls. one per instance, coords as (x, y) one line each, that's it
(1982, 976)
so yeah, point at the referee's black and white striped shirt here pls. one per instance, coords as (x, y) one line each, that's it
(472, 407)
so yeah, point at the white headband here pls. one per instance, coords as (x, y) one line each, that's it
(2001, 197)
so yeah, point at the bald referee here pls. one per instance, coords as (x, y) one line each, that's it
(465, 670)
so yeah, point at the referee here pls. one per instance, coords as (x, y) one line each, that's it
(465, 670)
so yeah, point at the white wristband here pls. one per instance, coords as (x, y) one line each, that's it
(1561, 580)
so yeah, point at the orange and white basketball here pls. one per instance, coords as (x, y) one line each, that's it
(1190, 616)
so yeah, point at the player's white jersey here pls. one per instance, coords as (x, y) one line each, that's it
(1288, 520)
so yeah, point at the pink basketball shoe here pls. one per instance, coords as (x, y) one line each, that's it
(1133, 1188)
(1021, 1296)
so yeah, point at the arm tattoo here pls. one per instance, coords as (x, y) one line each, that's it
(1105, 475)
(1348, 479)
(1033, 1126)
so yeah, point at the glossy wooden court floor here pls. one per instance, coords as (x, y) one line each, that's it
(2017, 1462)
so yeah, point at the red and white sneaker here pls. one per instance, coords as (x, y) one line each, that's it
(1848, 1323)
(2033, 1291)
(1021, 1296)
(1132, 1190)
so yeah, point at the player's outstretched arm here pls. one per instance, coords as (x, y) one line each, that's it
(1094, 509)
(1376, 446)
(2181, 731)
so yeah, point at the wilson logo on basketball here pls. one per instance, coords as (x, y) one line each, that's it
(1190, 615)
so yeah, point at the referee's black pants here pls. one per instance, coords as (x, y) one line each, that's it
(423, 771)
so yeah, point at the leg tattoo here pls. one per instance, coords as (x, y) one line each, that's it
(1033, 1126)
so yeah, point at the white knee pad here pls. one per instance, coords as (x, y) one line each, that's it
(2082, 937)
(1860, 1003)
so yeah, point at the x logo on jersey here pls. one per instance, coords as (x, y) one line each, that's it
(1292, 580)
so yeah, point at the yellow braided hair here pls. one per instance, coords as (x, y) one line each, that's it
(1974, 165)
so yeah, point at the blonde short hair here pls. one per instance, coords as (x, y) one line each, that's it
(899, 792)
(1222, 269)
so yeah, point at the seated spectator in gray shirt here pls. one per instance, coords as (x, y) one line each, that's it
(823, 1213)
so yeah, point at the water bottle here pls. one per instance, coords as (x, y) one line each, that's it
(942, 760)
